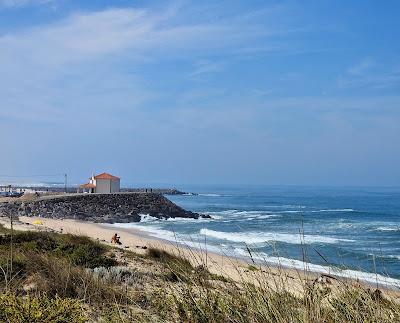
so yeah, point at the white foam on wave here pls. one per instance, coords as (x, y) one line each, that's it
(243, 214)
(385, 256)
(192, 220)
(290, 211)
(286, 206)
(268, 216)
(225, 212)
(300, 265)
(234, 213)
(332, 210)
(347, 225)
(144, 218)
(215, 217)
(246, 212)
(247, 215)
(388, 229)
(153, 230)
(160, 233)
(263, 237)
(209, 194)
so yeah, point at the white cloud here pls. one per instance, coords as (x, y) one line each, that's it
(23, 3)
(361, 67)
(377, 81)
(78, 64)
(205, 66)
(95, 34)
(368, 74)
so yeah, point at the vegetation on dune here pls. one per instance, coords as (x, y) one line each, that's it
(66, 278)
(40, 309)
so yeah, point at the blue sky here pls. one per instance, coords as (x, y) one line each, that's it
(208, 92)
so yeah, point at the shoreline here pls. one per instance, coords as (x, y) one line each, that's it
(372, 280)
(234, 267)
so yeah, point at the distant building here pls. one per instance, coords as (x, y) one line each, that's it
(102, 183)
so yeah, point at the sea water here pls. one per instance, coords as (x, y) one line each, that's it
(349, 232)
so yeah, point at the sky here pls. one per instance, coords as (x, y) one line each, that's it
(202, 92)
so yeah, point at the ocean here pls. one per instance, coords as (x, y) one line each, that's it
(349, 232)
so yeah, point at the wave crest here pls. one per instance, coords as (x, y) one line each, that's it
(264, 237)
(300, 265)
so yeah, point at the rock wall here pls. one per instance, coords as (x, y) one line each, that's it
(106, 208)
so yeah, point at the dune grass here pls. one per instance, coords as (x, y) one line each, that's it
(40, 309)
(78, 280)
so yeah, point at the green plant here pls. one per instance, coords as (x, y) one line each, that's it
(252, 268)
(50, 279)
(40, 309)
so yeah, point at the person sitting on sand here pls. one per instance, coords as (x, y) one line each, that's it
(115, 239)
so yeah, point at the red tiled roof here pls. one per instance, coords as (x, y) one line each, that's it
(105, 176)
(88, 185)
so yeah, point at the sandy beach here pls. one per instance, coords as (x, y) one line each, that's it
(235, 268)
(137, 241)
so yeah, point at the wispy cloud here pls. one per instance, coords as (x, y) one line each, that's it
(378, 81)
(23, 3)
(367, 73)
(87, 35)
(79, 63)
(205, 66)
(145, 34)
(361, 67)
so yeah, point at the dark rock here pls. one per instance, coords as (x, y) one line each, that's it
(103, 208)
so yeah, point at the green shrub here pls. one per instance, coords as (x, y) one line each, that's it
(51, 266)
(31, 240)
(252, 268)
(81, 251)
(40, 309)
(90, 256)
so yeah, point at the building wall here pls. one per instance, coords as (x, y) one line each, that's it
(107, 186)
(103, 186)
(115, 185)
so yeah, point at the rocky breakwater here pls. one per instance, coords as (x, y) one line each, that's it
(105, 208)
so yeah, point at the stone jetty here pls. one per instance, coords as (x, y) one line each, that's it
(103, 208)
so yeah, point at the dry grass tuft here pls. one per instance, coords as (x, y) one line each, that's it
(74, 276)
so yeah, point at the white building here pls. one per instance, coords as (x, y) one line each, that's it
(102, 183)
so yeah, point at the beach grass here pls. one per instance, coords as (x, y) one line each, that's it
(77, 279)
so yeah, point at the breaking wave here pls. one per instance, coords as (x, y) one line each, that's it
(146, 218)
(264, 237)
(332, 210)
(388, 229)
(248, 215)
(300, 265)
(153, 231)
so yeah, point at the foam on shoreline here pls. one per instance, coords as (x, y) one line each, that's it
(262, 258)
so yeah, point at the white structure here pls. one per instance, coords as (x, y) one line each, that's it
(102, 183)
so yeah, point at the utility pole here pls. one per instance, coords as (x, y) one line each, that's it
(65, 182)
